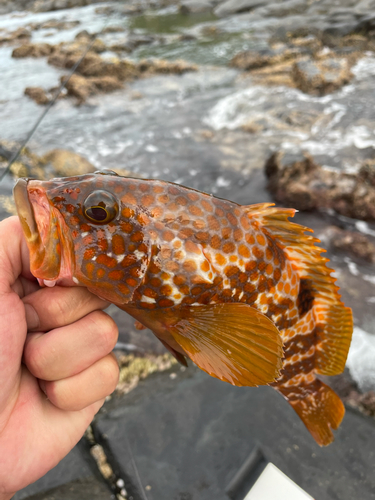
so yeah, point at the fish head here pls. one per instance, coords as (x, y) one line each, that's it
(74, 228)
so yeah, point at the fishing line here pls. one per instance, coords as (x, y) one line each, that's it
(52, 102)
(135, 469)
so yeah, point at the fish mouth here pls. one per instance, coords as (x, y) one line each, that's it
(43, 228)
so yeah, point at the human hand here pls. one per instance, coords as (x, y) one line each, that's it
(55, 365)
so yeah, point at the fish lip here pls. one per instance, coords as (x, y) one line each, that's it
(25, 211)
(44, 263)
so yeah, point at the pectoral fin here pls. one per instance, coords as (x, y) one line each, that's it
(232, 342)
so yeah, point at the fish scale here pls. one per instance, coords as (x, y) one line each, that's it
(240, 290)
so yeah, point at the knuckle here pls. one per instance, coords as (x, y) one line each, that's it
(35, 359)
(110, 373)
(106, 329)
(62, 396)
(56, 395)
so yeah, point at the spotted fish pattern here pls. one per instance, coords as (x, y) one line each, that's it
(210, 277)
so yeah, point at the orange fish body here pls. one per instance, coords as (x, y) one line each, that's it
(240, 290)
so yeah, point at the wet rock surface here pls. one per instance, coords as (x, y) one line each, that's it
(305, 185)
(37, 94)
(94, 74)
(230, 7)
(301, 80)
(321, 77)
(356, 244)
(145, 425)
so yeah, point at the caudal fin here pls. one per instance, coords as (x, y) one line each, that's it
(318, 406)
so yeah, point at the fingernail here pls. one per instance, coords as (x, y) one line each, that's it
(32, 318)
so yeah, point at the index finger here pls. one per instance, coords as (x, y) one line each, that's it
(50, 308)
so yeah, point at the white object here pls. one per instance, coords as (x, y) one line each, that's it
(361, 359)
(275, 485)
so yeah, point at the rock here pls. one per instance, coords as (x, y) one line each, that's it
(249, 59)
(49, 5)
(98, 46)
(355, 42)
(321, 77)
(93, 65)
(43, 6)
(252, 127)
(113, 29)
(85, 35)
(367, 403)
(297, 181)
(352, 242)
(33, 50)
(19, 35)
(367, 172)
(122, 46)
(121, 9)
(167, 67)
(195, 6)
(237, 6)
(132, 42)
(38, 95)
(137, 40)
(55, 24)
(367, 23)
(341, 29)
(83, 39)
(66, 163)
(287, 8)
(106, 83)
(28, 163)
(80, 87)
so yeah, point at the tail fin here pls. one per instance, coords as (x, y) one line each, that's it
(318, 406)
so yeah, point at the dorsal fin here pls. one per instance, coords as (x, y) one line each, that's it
(334, 319)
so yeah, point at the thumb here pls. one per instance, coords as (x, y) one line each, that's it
(14, 261)
(14, 254)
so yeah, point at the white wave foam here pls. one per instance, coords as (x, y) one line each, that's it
(361, 359)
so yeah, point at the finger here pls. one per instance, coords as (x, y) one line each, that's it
(14, 262)
(91, 385)
(66, 351)
(23, 286)
(49, 308)
(14, 254)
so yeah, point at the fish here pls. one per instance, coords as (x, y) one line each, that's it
(240, 290)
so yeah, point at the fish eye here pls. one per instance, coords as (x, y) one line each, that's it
(100, 207)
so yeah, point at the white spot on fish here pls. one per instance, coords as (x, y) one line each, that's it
(149, 300)
(84, 234)
(119, 257)
(109, 254)
(139, 254)
(75, 280)
(94, 258)
(241, 295)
